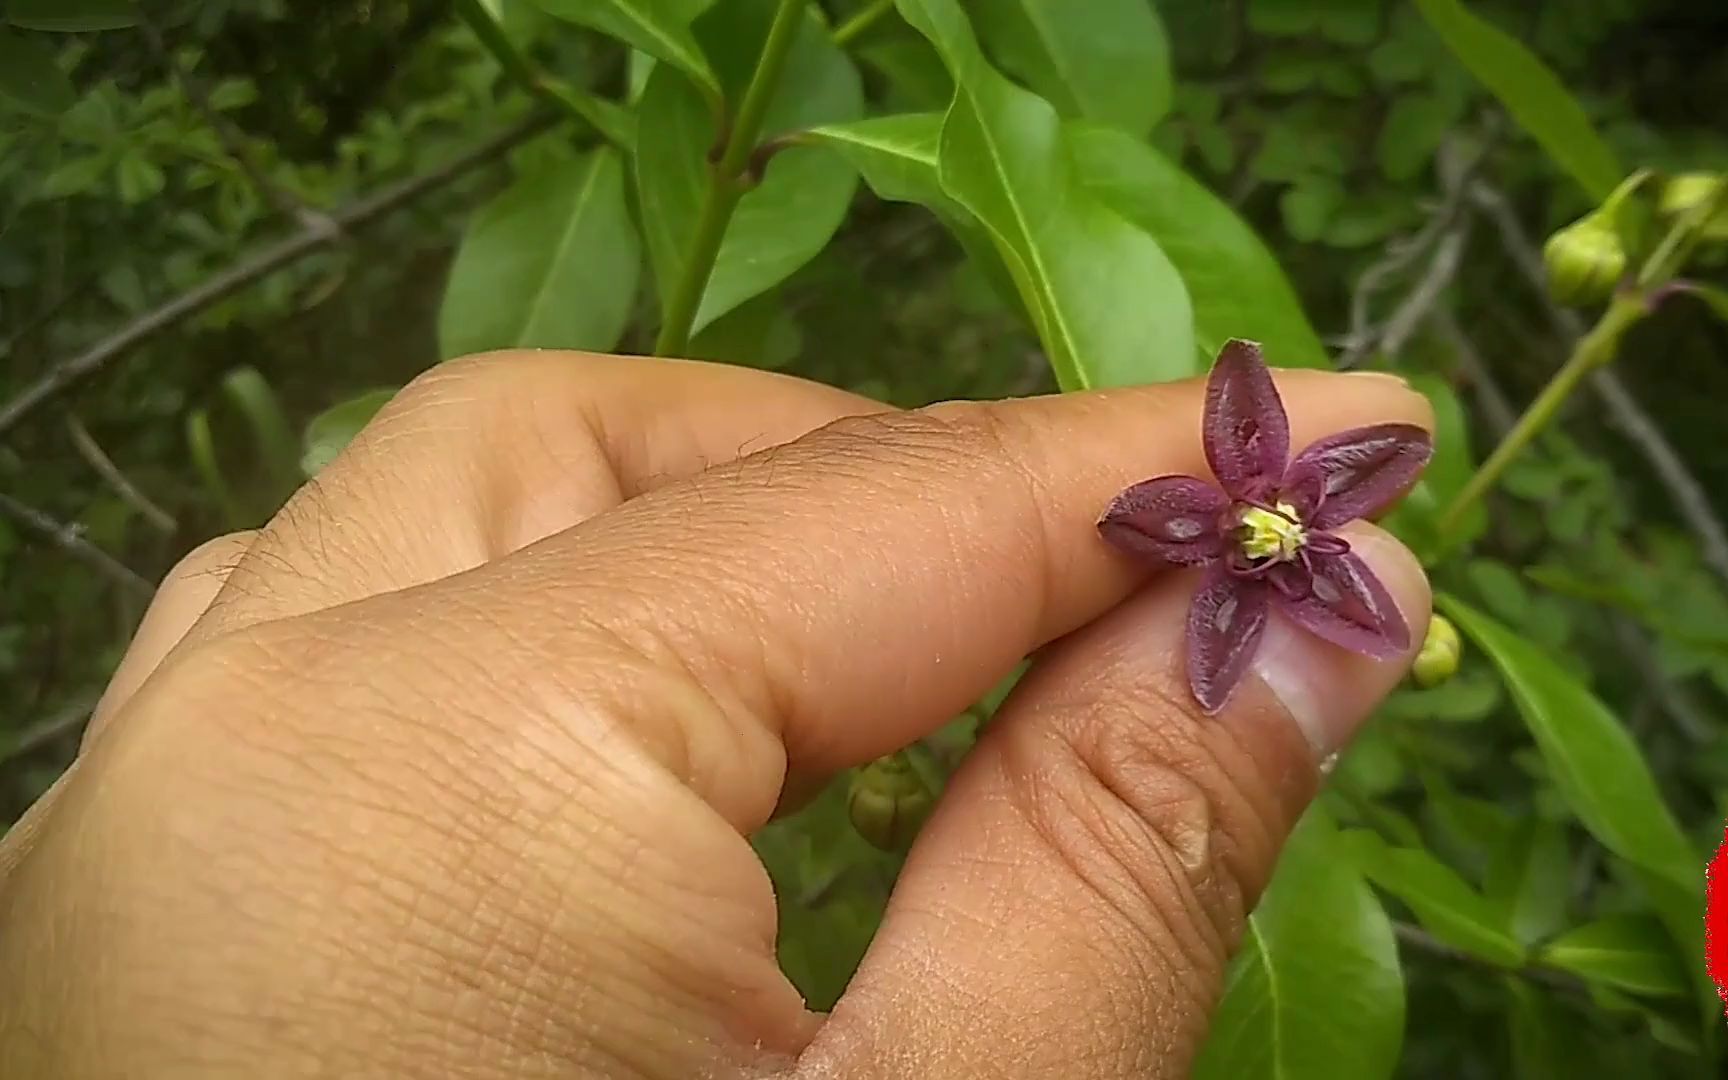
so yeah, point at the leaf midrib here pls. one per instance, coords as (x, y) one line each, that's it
(583, 196)
(1040, 277)
(1276, 1022)
(679, 55)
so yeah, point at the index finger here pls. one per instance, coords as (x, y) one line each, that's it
(837, 597)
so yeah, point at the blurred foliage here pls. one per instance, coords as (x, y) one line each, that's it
(1504, 874)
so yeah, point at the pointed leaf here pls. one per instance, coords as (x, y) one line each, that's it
(70, 16)
(659, 28)
(1627, 952)
(1531, 92)
(789, 217)
(30, 78)
(552, 262)
(1443, 902)
(1105, 60)
(1595, 764)
(1316, 992)
(1233, 280)
(330, 432)
(1107, 305)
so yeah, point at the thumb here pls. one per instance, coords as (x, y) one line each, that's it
(1072, 905)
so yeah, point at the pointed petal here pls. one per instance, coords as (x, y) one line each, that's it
(1170, 519)
(1224, 627)
(1245, 432)
(1346, 604)
(1356, 473)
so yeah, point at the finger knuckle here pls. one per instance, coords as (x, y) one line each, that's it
(1157, 812)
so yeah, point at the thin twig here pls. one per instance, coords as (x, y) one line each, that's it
(104, 465)
(67, 721)
(1424, 298)
(1420, 940)
(1690, 499)
(1443, 236)
(234, 141)
(356, 215)
(68, 539)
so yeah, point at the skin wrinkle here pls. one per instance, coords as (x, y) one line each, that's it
(515, 876)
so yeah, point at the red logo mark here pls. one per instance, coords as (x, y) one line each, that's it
(1716, 919)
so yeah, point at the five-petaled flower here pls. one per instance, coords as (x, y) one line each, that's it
(1263, 532)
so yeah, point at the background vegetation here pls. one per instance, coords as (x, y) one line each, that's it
(229, 227)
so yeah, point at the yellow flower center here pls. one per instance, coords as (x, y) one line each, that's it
(1268, 535)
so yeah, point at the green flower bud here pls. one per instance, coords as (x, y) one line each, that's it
(888, 802)
(1438, 659)
(1686, 192)
(1585, 261)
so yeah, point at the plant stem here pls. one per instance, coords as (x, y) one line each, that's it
(727, 182)
(855, 27)
(526, 74)
(1592, 351)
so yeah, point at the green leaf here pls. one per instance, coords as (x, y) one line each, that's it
(1529, 880)
(1443, 902)
(1316, 992)
(330, 432)
(1595, 763)
(552, 262)
(757, 333)
(277, 448)
(1109, 307)
(789, 217)
(917, 79)
(1531, 92)
(30, 78)
(201, 446)
(71, 16)
(659, 28)
(1627, 952)
(1235, 285)
(139, 179)
(897, 156)
(1104, 60)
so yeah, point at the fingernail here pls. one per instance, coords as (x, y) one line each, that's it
(1383, 376)
(1328, 691)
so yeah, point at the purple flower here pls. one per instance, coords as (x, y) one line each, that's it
(1263, 531)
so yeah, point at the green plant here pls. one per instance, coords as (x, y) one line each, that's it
(922, 199)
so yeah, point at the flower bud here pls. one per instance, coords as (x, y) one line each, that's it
(888, 802)
(1438, 659)
(1686, 192)
(1585, 261)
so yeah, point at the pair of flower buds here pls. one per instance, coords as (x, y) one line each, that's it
(1588, 259)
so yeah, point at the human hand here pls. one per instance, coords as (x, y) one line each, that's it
(449, 769)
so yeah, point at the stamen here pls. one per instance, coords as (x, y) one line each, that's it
(1327, 544)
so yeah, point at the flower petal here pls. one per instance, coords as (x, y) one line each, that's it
(1346, 604)
(1172, 519)
(1225, 622)
(1245, 432)
(1356, 473)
